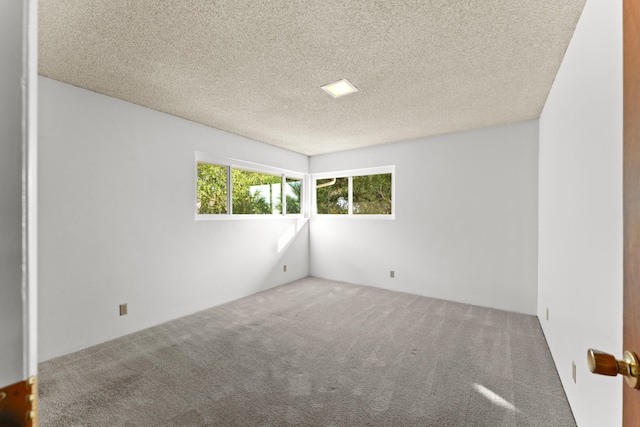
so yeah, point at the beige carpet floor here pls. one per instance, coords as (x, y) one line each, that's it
(315, 353)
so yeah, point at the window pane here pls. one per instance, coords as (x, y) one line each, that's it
(212, 189)
(372, 194)
(293, 193)
(256, 193)
(332, 195)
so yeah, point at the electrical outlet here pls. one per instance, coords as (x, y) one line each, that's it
(392, 274)
(123, 309)
(573, 371)
(547, 314)
(284, 268)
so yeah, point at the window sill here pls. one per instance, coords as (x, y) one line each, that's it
(355, 217)
(225, 217)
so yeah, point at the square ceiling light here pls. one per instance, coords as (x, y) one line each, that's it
(340, 88)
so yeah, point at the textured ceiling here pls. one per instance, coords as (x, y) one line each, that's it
(255, 67)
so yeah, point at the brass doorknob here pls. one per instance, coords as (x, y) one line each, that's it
(606, 364)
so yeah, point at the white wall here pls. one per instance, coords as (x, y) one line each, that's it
(466, 219)
(580, 214)
(11, 310)
(117, 197)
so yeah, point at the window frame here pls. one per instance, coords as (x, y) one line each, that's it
(378, 170)
(231, 164)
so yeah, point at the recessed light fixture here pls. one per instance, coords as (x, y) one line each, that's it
(340, 88)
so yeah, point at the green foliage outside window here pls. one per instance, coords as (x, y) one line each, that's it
(372, 194)
(256, 193)
(293, 195)
(253, 192)
(212, 189)
(332, 195)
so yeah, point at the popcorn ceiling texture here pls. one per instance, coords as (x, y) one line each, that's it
(255, 68)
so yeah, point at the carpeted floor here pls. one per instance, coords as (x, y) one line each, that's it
(315, 353)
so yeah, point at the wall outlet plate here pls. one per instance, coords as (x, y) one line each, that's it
(392, 274)
(123, 309)
(284, 268)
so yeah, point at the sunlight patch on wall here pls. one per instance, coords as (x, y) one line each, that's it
(290, 233)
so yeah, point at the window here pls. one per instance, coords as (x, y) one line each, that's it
(332, 195)
(256, 193)
(364, 192)
(372, 194)
(293, 195)
(232, 188)
(212, 189)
